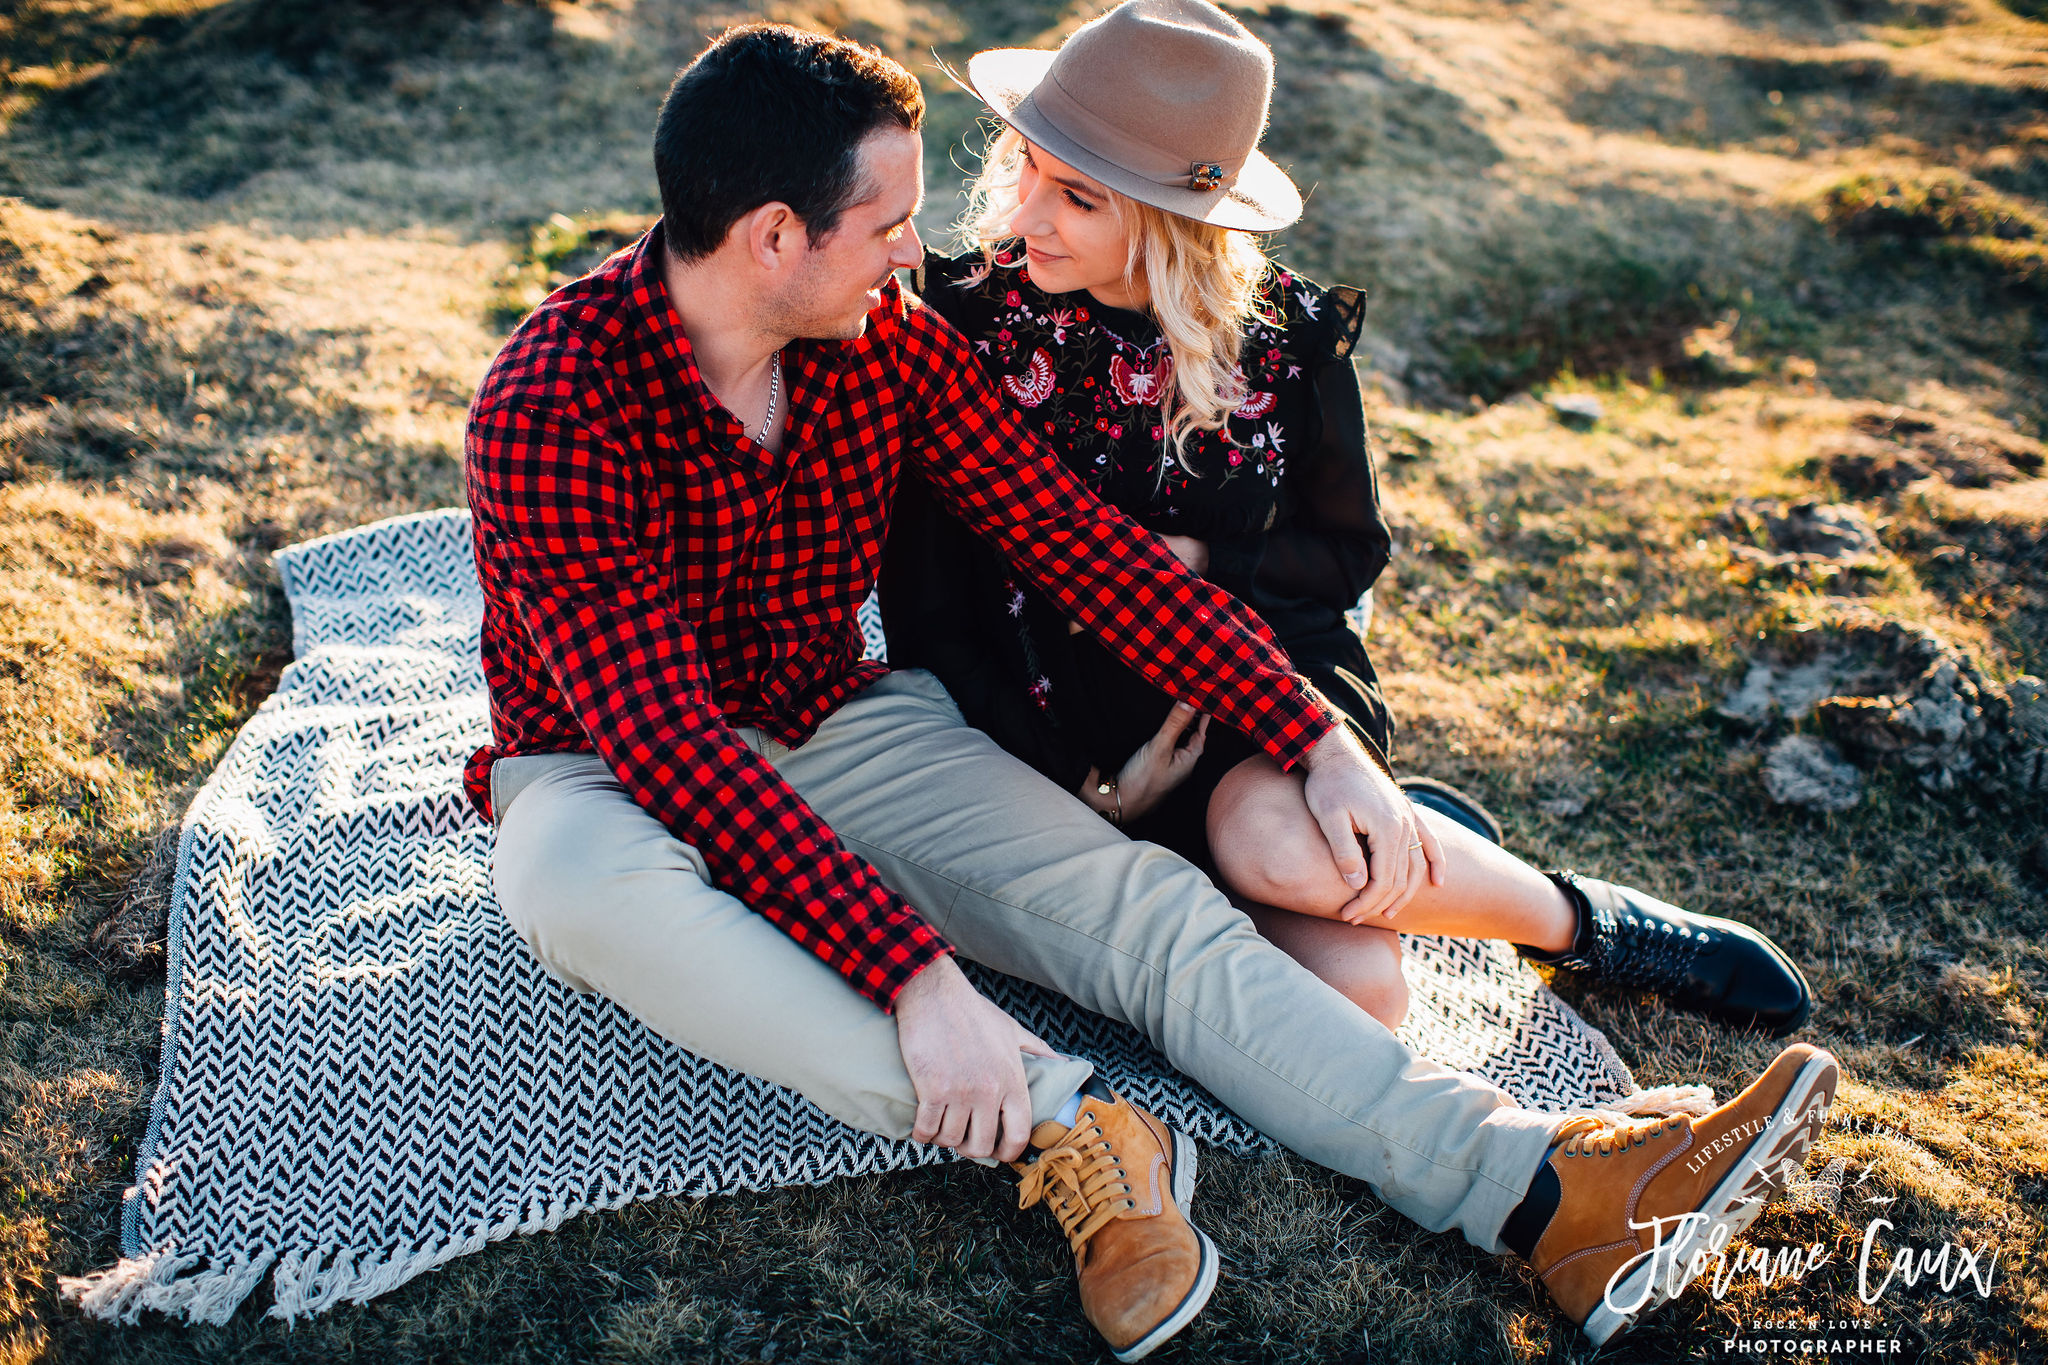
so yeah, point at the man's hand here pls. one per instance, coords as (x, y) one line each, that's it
(963, 1055)
(1349, 795)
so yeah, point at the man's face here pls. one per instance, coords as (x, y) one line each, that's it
(841, 278)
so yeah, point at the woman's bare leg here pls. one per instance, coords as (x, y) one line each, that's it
(1362, 963)
(1269, 849)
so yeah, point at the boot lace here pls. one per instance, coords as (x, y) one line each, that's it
(1082, 1181)
(1598, 1137)
(1651, 953)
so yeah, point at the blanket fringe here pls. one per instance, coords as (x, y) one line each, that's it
(182, 1286)
(303, 1283)
(1694, 1101)
(309, 1283)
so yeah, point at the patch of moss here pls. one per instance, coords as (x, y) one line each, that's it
(1948, 216)
(1935, 202)
(1607, 311)
(559, 249)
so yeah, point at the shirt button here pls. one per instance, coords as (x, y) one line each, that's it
(762, 598)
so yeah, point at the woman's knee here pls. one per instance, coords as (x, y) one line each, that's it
(1361, 964)
(1371, 979)
(1266, 845)
(1384, 996)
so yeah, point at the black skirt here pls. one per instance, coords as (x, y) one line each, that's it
(1119, 711)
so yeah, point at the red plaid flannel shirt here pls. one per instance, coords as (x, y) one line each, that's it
(652, 578)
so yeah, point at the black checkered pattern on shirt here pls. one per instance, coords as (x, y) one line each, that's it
(653, 578)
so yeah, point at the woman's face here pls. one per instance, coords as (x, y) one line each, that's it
(1071, 233)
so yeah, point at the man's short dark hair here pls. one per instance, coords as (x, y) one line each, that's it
(772, 114)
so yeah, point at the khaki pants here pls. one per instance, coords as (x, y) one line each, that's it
(1025, 878)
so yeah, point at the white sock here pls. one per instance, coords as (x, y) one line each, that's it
(1070, 1112)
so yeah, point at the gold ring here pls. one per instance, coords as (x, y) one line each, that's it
(1417, 844)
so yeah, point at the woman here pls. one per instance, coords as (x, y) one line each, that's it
(1114, 292)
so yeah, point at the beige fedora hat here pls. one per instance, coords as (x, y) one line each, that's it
(1161, 100)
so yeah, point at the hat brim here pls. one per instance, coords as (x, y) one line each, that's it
(1261, 199)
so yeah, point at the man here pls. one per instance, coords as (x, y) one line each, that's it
(709, 810)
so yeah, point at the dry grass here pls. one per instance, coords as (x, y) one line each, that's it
(254, 255)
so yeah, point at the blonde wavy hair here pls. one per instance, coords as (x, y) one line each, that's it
(1201, 283)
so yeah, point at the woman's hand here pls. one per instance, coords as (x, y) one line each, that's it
(1191, 552)
(1161, 763)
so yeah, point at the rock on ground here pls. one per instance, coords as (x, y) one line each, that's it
(2026, 768)
(1577, 409)
(1887, 692)
(1801, 770)
(1804, 532)
(1894, 446)
(1788, 690)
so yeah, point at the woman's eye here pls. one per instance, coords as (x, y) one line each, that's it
(1077, 201)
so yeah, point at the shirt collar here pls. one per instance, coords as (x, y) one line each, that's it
(676, 389)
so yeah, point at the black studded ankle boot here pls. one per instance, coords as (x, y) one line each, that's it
(1711, 966)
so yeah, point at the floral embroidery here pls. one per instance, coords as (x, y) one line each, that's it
(1141, 387)
(1034, 386)
(1258, 405)
(1094, 380)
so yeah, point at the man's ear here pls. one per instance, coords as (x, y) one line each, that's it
(773, 235)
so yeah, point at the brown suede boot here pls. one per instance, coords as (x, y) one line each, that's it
(1118, 1181)
(1637, 1200)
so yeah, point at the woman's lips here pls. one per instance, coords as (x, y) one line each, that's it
(1040, 257)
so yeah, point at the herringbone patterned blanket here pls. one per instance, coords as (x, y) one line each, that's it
(365, 1074)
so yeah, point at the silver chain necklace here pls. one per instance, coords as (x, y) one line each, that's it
(774, 395)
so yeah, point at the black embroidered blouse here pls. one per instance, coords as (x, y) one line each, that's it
(1285, 499)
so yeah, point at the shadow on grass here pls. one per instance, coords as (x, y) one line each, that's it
(57, 35)
(197, 101)
(119, 399)
(1339, 105)
(1797, 105)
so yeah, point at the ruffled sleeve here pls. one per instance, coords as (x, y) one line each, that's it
(1331, 541)
(1343, 317)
